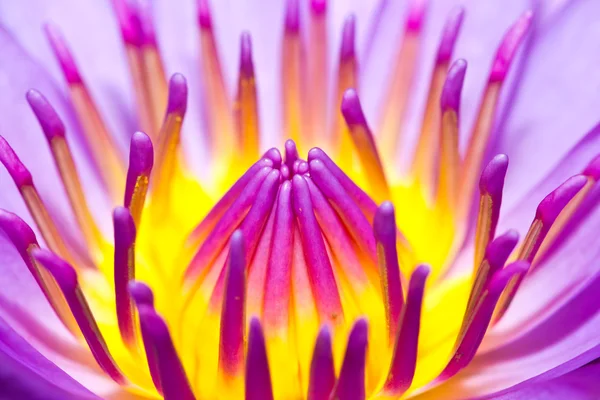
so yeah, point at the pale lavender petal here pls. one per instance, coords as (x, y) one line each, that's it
(20, 128)
(92, 32)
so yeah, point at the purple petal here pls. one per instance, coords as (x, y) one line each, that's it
(25, 373)
(581, 384)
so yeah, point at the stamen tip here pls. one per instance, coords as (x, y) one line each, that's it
(51, 123)
(141, 293)
(416, 14)
(352, 109)
(19, 233)
(508, 48)
(492, 177)
(292, 17)
(141, 154)
(246, 64)
(124, 226)
(593, 169)
(450, 98)
(318, 6)
(500, 248)
(420, 274)
(274, 155)
(18, 172)
(553, 204)
(63, 273)
(62, 53)
(178, 92)
(384, 222)
(129, 22)
(348, 38)
(450, 33)
(204, 17)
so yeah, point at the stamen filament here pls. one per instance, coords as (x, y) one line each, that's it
(291, 75)
(404, 359)
(104, 151)
(424, 159)
(317, 50)
(141, 160)
(246, 104)
(166, 161)
(347, 78)
(547, 212)
(364, 144)
(54, 130)
(384, 228)
(24, 182)
(217, 103)
(233, 321)
(124, 262)
(258, 377)
(400, 82)
(24, 240)
(491, 184)
(66, 278)
(487, 110)
(351, 381)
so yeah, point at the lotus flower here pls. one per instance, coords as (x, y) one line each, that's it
(369, 257)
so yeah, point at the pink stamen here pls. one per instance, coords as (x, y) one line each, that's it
(258, 377)
(141, 160)
(491, 184)
(384, 227)
(66, 278)
(404, 360)
(364, 145)
(233, 319)
(351, 382)
(124, 272)
(322, 370)
(318, 265)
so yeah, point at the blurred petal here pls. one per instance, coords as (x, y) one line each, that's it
(18, 125)
(92, 32)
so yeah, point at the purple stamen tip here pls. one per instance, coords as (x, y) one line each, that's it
(62, 52)
(19, 233)
(593, 169)
(419, 275)
(554, 203)
(384, 223)
(348, 38)
(508, 47)
(450, 33)
(318, 6)
(246, 64)
(147, 24)
(292, 17)
(500, 248)
(178, 93)
(63, 273)
(291, 154)
(274, 155)
(141, 154)
(204, 18)
(416, 15)
(124, 227)
(18, 172)
(351, 383)
(322, 372)
(352, 109)
(492, 177)
(450, 98)
(141, 293)
(129, 22)
(46, 115)
(258, 377)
